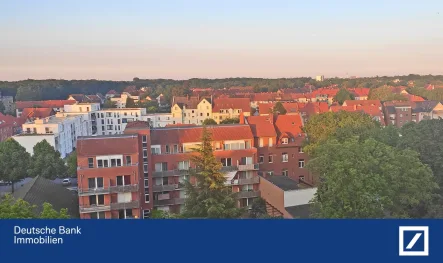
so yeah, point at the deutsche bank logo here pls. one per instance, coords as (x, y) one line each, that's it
(413, 241)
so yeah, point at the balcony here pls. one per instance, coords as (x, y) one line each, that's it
(253, 180)
(163, 188)
(94, 208)
(93, 191)
(124, 188)
(173, 201)
(229, 168)
(248, 194)
(96, 167)
(248, 167)
(170, 173)
(125, 205)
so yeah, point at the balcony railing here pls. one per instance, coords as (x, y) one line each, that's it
(124, 188)
(173, 201)
(248, 194)
(248, 167)
(125, 205)
(229, 168)
(94, 208)
(108, 190)
(162, 188)
(253, 180)
(170, 173)
(96, 167)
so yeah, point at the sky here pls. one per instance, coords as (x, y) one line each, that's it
(120, 40)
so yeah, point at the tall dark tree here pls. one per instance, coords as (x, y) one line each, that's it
(109, 104)
(130, 103)
(14, 161)
(209, 197)
(72, 164)
(46, 162)
(209, 122)
(2, 108)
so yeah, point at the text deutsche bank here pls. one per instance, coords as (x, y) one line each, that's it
(413, 241)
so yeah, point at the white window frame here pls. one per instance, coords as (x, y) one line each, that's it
(301, 163)
(149, 199)
(260, 142)
(270, 142)
(146, 183)
(285, 160)
(284, 141)
(272, 158)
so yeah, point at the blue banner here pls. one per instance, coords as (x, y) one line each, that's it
(221, 241)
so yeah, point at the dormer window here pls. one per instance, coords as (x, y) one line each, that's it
(284, 140)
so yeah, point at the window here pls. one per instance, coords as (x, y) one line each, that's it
(47, 130)
(144, 138)
(271, 173)
(284, 157)
(97, 200)
(91, 162)
(146, 183)
(301, 163)
(270, 142)
(300, 149)
(167, 148)
(87, 108)
(145, 168)
(284, 140)
(271, 158)
(35, 130)
(98, 215)
(207, 114)
(235, 146)
(105, 163)
(226, 161)
(28, 130)
(201, 114)
(128, 160)
(284, 172)
(183, 165)
(301, 178)
(175, 148)
(260, 142)
(145, 153)
(113, 162)
(261, 158)
(100, 163)
(146, 198)
(401, 115)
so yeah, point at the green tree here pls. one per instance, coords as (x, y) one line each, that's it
(384, 93)
(2, 108)
(370, 180)
(209, 197)
(46, 162)
(130, 103)
(20, 209)
(425, 138)
(279, 108)
(159, 214)
(14, 161)
(258, 208)
(340, 125)
(72, 164)
(209, 121)
(50, 213)
(109, 104)
(230, 121)
(342, 95)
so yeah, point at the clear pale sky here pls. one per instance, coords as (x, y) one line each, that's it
(119, 40)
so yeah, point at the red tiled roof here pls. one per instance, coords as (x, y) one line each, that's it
(262, 126)
(189, 102)
(290, 107)
(37, 112)
(362, 103)
(180, 125)
(108, 145)
(111, 92)
(16, 122)
(194, 134)
(137, 124)
(360, 92)
(264, 96)
(414, 97)
(312, 108)
(43, 104)
(232, 103)
(289, 124)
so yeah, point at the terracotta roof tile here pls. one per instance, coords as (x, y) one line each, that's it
(37, 112)
(232, 103)
(262, 126)
(289, 124)
(193, 134)
(113, 144)
(43, 104)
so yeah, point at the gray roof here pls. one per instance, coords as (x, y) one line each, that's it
(40, 190)
(300, 211)
(283, 182)
(424, 106)
(391, 109)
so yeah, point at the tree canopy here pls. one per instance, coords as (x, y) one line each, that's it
(342, 95)
(46, 162)
(71, 161)
(369, 180)
(14, 161)
(230, 121)
(209, 122)
(209, 197)
(109, 104)
(279, 108)
(20, 209)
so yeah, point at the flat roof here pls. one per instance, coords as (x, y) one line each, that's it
(52, 120)
(283, 182)
(119, 109)
(106, 136)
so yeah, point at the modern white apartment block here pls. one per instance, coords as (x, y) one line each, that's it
(161, 119)
(59, 130)
(113, 121)
(88, 111)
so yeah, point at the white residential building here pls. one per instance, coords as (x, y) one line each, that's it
(88, 110)
(161, 119)
(59, 131)
(113, 121)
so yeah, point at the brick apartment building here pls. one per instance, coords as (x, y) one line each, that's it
(279, 140)
(398, 113)
(128, 175)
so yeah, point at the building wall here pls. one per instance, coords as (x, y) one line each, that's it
(113, 121)
(161, 119)
(273, 195)
(299, 196)
(228, 114)
(193, 116)
(403, 115)
(29, 141)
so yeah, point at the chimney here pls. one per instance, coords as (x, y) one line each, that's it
(242, 118)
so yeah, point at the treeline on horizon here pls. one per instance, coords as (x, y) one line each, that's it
(54, 89)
